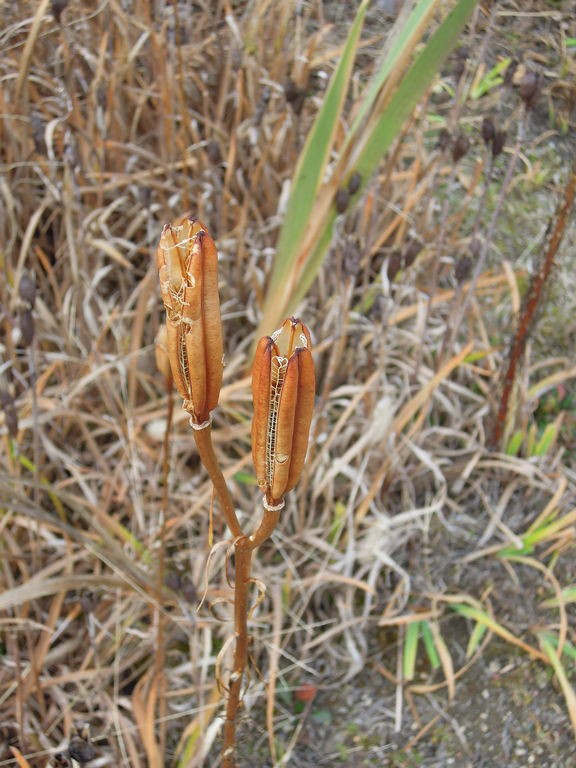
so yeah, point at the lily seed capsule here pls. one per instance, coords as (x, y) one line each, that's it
(283, 385)
(188, 269)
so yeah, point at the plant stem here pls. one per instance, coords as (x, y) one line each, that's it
(243, 557)
(556, 229)
(205, 448)
(244, 546)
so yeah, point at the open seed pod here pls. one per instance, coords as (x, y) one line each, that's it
(283, 386)
(188, 269)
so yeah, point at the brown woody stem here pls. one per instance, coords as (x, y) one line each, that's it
(205, 448)
(244, 546)
(243, 558)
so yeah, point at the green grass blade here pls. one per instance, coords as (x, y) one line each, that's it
(388, 126)
(560, 672)
(410, 650)
(475, 639)
(311, 167)
(412, 88)
(431, 650)
(404, 40)
(547, 439)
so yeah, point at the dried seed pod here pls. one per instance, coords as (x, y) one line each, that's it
(354, 183)
(529, 88)
(460, 147)
(498, 143)
(411, 251)
(283, 386)
(26, 325)
(342, 200)
(188, 269)
(214, 153)
(463, 269)
(394, 265)
(80, 750)
(57, 7)
(295, 96)
(488, 130)
(27, 290)
(10, 414)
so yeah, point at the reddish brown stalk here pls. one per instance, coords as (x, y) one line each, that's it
(244, 546)
(533, 298)
(205, 448)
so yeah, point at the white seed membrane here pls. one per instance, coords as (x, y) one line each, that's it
(278, 372)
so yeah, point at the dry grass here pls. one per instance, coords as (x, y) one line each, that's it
(113, 122)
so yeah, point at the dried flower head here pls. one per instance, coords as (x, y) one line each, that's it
(283, 386)
(188, 268)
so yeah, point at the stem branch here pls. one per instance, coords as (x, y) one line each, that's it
(205, 448)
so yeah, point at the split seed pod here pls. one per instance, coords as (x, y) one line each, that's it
(283, 385)
(188, 268)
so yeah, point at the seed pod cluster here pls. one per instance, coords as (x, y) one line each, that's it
(188, 269)
(399, 260)
(283, 385)
(495, 139)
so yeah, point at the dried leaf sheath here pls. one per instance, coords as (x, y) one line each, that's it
(283, 392)
(188, 269)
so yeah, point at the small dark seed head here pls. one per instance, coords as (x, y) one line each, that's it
(498, 142)
(81, 751)
(354, 183)
(11, 419)
(27, 290)
(529, 88)
(291, 90)
(342, 199)
(460, 147)
(26, 324)
(463, 269)
(394, 265)
(295, 95)
(488, 130)
(213, 152)
(57, 7)
(411, 251)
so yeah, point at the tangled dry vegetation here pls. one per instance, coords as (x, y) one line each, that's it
(413, 547)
